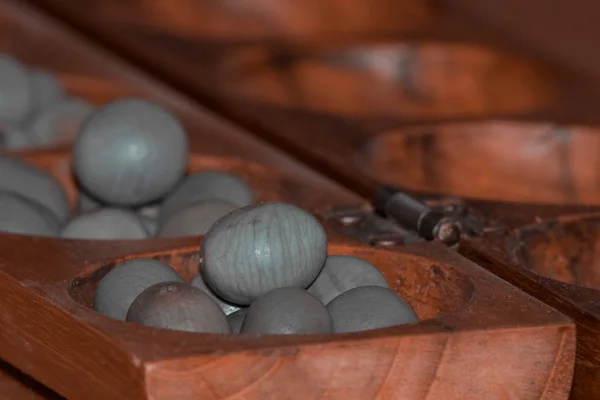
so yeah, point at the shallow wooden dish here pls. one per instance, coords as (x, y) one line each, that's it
(522, 162)
(478, 335)
(406, 81)
(554, 257)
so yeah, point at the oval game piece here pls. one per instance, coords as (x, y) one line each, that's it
(16, 95)
(35, 184)
(59, 123)
(178, 306)
(130, 152)
(369, 307)
(19, 215)
(46, 89)
(207, 186)
(227, 308)
(195, 219)
(342, 273)
(287, 311)
(259, 248)
(120, 287)
(236, 320)
(106, 224)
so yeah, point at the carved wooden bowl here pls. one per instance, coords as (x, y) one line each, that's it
(523, 162)
(470, 320)
(407, 81)
(553, 254)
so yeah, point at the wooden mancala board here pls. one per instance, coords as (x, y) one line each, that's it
(471, 320)
(478, 335)
(435, 105)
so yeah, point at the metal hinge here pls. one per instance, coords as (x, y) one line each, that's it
(397, 218)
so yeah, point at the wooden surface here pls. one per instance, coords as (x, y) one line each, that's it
(264, 20)
(344, 109)
(522, 162)
(286, 83)
(553, 257)
(16, 385)
(564, 30)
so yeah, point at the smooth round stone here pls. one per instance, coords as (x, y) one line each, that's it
(124, 283)
(16, 95)
(227, 308)
(369, 307)
(46, 89)
(207, 185)
(236, 320)
(195, 219)
(60, 123)
(149, 224)
(106, 224)
(342, 273)
(178, 306)
(287, 311)
(34, 184)
(262, 247)
(19, 215)
(130, 152)
(149, 211)
(17, 138)
(86, 204)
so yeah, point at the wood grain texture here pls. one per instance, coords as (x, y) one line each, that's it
(15, 385)
(523, 162)
(408, 80)
(471, 320)
(553, 258)
(563, 30)
(260, 20)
